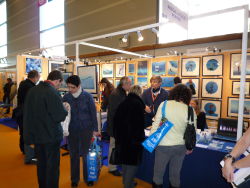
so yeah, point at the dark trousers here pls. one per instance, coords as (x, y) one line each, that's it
(6, 100)
(79, 143)
(128, 175)
(48, 162)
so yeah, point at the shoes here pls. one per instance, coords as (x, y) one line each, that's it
(115, 173)
(74, 184)
(154, 185)
(32, 161)
(90, 183)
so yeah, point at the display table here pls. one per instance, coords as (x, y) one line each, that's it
(201, 169)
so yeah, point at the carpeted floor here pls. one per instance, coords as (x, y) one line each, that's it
(14, 174)
(9, 122)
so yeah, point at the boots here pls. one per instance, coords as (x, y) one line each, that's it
(154, 185)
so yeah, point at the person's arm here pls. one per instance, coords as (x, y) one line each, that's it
(157, 121)
(239, 148)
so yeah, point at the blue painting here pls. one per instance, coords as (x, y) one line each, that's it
(132, 78)
(88, 76)
(212, 64)
(172, 68)
(195, 82)
(210, 109)
(234, 107)
(190, 66)
(88, 82)
(159, 68)
(211, 87)
(131, 68)
(117, 82)
(107, 70)
(33, 64)
(142, 68)
(142, 81)
(167, 82)
(65, 76)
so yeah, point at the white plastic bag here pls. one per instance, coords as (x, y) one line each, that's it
(65, 123)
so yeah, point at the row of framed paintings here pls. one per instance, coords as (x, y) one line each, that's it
(212, 108)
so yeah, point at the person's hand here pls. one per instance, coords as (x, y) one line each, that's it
(228, 170)
(189, 152)
(67, 106)
(95, 133)
(147, 109)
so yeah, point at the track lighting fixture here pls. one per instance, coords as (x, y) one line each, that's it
(140, 37)
(125, 38)
(155, 31)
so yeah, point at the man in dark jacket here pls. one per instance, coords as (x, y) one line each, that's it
(24, 87)
(43, 114)
(153, 97)
(6, 96)
(115, 99)
(190, 84)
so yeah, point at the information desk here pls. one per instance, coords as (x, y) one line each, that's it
(201, 169)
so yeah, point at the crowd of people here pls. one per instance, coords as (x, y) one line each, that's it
(40, 111)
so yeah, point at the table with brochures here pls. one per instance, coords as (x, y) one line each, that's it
(201, 169)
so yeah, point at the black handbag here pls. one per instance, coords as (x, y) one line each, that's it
(115, 157)
(190, 132)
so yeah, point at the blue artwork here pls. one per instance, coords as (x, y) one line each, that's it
(33, 64)
(210, 109)
(132, 78)
(172, 67)
(131, 68)
(167, 82)
(142, 68)
(65, 76)
(142, 81)
(190, 66)
(211, 87)
(117, 82)
(235, 107)
(88, 82)
(212, 64)
(159, 68)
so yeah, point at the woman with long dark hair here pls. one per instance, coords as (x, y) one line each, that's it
(108, 88)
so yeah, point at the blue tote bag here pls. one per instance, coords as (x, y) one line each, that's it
(154, 139)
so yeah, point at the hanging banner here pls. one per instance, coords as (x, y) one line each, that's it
(173, 14)
(41, 2)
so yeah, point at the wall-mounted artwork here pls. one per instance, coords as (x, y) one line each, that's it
(245, 126)
(211, 88)
(117, 82)
(142, 81)
(172, 68)
(131, 68)
(33, 64)
(233, 107)
(120, 69)
(212, 108)
(212, 65)
(132, 78)
(190, 66)
(65, 76)
(88, 76)
(56, 65)
(142, 68)
(107, 70)
(167, 82)
(196, 82)
(159, 68)
(236, 88)
(235, 69)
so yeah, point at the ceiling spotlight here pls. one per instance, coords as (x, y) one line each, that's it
(140, 37)
(125, 38)
(155, 31)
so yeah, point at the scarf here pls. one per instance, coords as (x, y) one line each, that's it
(78, 93)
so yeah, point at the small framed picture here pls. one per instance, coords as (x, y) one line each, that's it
(212, 65)
(212, 88)
(235, 66)
(65, 76)
(142, 81)
(233, 107)
(132, 78)
(190, 67)
(212, 108)
(142, 68)
(196, 82)
(56, 65)
(159, 68)
(107, 70)
(120, 69)
(236, 88)
(131, 68)
(172, 68)
(167, 82)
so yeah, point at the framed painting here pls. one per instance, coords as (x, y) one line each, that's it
(212, 108)
(117, 82)
(233, 107)
(211, 88)
(33, 64)
(56, 65)
(107, 70)
(142, 68)
(236, 88)
(196, 82)
(172, 68)
(132, 78)
(190, 66)
(159, 68)
(65, 76)
(235, 66)
(212, 65)
(142, 81)
(120, 69)
(88, 76)
(131, 68)
(167, 82)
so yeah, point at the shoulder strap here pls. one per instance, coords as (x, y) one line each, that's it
(190, 114)
(163, 110)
